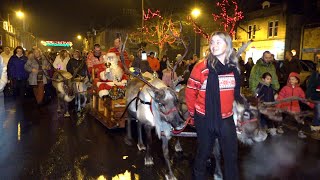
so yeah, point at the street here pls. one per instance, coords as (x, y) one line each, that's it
(36, 144)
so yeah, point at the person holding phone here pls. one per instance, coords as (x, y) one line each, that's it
(140, 61)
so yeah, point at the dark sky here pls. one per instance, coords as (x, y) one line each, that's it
(64, 19)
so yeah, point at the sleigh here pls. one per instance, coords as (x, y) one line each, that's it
(109, 110)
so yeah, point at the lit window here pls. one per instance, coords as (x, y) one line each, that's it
(249, 32)
(252, 31)
(273, 28)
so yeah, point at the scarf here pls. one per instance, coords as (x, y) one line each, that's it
(212, 100)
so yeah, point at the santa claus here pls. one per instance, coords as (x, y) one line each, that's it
(112, 77)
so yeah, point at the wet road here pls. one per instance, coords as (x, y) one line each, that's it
(35, 143)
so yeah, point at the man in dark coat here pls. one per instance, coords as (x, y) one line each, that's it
(290, 65)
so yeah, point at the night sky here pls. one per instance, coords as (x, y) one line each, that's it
(64, 19)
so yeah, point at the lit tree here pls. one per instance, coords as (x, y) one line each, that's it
(157, 30)
(229, 15)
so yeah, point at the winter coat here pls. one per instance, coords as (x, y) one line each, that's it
(74, 64)
(257, 71)
(313, 83)
(3, 74)
(291, 91)
(196, 90)
(154, 63)
(291, 66)
(33, 64)
(94, 62)
(265, 92)
(142, 65)
(61, 64)
(16, 68)
(248, 68)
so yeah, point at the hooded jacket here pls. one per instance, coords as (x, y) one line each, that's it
(291, 91)
(257, 72)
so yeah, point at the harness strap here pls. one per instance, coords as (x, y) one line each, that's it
(241, 123)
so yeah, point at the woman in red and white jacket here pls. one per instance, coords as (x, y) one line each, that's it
(213, 85)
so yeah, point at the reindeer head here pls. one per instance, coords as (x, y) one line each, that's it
(247, 119)
(168, 106)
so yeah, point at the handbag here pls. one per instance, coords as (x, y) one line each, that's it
(9, 89)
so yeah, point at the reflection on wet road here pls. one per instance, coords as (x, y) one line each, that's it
(37, 144)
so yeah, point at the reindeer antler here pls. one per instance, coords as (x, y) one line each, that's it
(185, 46)
(75, 72)
(56, 70)
(128, 71)
(243, 48)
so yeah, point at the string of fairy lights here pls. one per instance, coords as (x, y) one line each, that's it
(228, 21)
(158, 30)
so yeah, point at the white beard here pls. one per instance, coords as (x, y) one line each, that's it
(115, 73)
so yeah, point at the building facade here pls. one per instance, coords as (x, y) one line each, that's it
(271, 29)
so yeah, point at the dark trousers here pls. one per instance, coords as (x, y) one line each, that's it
(206, 135)
(20, 87)
(316, 118)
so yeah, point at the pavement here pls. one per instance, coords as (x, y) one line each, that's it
(38, 143)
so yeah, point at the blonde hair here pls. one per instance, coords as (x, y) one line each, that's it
(230, 59)
(62, 54)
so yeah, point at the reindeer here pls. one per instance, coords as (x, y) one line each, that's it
(154, 106)
(66, 87)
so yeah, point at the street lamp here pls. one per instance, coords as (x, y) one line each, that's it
(20, 14)
(195, 13)
(79, 37)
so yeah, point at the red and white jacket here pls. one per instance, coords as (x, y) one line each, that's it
(95, 63)
(196, 90)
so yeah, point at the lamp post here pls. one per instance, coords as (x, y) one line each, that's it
(20, 15)
(195, 13)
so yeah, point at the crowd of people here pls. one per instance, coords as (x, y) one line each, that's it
(213, 83)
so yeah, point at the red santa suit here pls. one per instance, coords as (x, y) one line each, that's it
(110, 75)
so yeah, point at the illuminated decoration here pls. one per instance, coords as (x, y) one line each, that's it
(197, 29)
(57, 43)
(157, 30)
(150, 14)
(228, 21)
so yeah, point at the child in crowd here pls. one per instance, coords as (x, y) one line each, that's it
(266, 93)
(292, 89)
